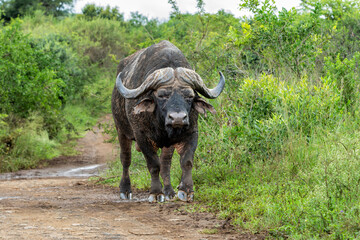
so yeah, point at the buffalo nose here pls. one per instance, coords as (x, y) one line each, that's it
(177, 119)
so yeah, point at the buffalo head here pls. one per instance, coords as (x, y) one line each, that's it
(174, 94)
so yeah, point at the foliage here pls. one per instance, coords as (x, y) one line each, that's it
(278, 40)
(65, 62)
(333, 10)
(92, 11)
(175, 7)
(345, 74)
(38, 76)
(15, 8)
(342, 17)
(101, 40)
(268, 111)
(28, 80)
(24, 146)
(307, 193)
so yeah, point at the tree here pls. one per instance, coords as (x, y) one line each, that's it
(56, 7)
(137, 19)
(17, 8)
(91, 11)
(28, 80)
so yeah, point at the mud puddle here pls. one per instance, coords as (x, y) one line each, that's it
(56, 172)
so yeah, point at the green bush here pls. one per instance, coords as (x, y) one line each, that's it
(280, 41)
(38, 75)
(28, 80)
(101, 40)
(345, 74)
(65, 62)
(25, 145)
(91, 11)
(268, 111)
(15, 8)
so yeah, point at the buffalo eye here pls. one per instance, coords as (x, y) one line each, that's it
(163, 94)
(188, 95)
(189, 98)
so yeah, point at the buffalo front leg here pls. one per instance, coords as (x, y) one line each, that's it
(153, 164)
(125, 157)
(187, 151)
(165, 165)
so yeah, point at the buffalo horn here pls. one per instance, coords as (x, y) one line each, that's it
(154, 80)
(195, 80)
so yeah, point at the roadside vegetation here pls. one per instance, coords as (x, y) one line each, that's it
(282, 153)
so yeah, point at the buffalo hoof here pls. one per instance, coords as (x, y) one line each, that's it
(126, 196)
(153, 198)
(183, 196)
(169, 194)
(168, 198)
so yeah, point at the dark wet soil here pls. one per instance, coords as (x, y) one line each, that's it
(59, 202)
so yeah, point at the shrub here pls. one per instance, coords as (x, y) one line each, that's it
(25, 144)
(345, 75)
(28, 80)
(91, 11)
(281, 41)
(268, 111)
(101, 40)
(68, 66)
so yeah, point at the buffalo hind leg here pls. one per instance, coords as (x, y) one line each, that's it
(125, 157)
(165, 162)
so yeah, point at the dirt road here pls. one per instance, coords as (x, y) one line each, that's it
(59, 202)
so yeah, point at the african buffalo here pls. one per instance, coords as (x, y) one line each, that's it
(155, 102)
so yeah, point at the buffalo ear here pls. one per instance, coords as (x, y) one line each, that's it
(145, 105)
(201, 106)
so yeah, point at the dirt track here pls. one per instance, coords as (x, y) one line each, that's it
(59, 202)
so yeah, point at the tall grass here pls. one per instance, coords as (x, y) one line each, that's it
(25, 146)
(287, 161)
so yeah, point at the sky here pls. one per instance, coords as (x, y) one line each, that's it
(161, 9)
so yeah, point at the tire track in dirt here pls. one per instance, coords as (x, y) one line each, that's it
(49, 204)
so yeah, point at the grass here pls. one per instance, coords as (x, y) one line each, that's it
(209, 231)
(27, 145)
